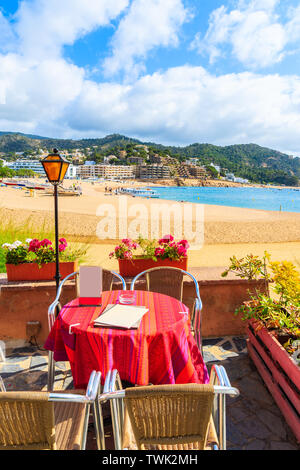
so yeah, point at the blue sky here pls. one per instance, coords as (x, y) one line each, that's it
(169, 71)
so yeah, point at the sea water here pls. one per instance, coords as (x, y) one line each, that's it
(270, 199)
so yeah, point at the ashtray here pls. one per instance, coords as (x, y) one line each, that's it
(126, 298)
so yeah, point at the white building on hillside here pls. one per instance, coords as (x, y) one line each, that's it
(34, 165)
(71, 172)
(216, 167)
(235, 179)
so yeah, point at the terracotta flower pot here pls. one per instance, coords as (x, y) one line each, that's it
(279, 371)
(32, 271)
(130, 268)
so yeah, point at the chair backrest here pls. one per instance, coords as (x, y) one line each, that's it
(164, 280)
(167, 281)
(170, 416)
(26, 421)
(107, 279)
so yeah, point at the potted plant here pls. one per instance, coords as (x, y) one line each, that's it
(274, 331)
(135, 256)
(34, 260)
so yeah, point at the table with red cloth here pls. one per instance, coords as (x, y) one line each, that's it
(161, 351)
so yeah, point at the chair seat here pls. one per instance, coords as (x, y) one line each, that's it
(69, 419)
(129, 441)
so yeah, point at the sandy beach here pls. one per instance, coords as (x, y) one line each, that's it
(227, 230)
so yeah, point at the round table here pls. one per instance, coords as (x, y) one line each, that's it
(161, 351)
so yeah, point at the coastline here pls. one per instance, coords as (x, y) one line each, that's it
(185, 182)
(227, 230)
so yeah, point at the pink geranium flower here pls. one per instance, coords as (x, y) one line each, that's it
(127, 242)
(184, 243)
(34, 245)
(166, 239)
(159, 251)
(45, 243)
(63, 241)
(181, 250)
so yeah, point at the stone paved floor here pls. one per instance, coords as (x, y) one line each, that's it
(254, 422)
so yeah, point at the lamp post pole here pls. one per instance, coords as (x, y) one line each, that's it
(57, 273)
(55, 168)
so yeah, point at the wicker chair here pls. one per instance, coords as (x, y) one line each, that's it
(171, 417)
(169, 281)
(49, 421)
(55, 307)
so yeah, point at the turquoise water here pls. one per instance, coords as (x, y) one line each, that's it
(270, 199)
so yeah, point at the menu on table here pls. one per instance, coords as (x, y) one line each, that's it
(121, 316)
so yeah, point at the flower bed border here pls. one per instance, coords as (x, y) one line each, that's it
(279, 371)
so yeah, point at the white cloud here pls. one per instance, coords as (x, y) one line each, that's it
(37, 91)
(44, 26)
(293, 25)
(47, 95)
(187, 104)
(148, 24)
(6, 33)
(253, 30)
(36, 83)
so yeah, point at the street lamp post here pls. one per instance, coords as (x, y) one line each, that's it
(55, 168)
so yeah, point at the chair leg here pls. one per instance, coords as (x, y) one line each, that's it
(51, 371)
(85, 426)
(99, 426)
(198, 340)
(222, 421)
(2, 351)
(116, 424)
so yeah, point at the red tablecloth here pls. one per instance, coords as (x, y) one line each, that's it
(161, 351)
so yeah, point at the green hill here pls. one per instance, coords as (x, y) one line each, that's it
(251, 161)
(17, 142)
(258, 164)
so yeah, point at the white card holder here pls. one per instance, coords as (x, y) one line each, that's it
(90, 284)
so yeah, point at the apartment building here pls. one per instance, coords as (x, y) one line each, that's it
(197, 171)
(37, 167)
(154, 171)
(71, 172)
(106, 171)
(34, 165)
(156, 159)
(137, 160)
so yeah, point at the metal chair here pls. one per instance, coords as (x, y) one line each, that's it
(172, 417)
(31, 420)
(55, 307)
(169, 281)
